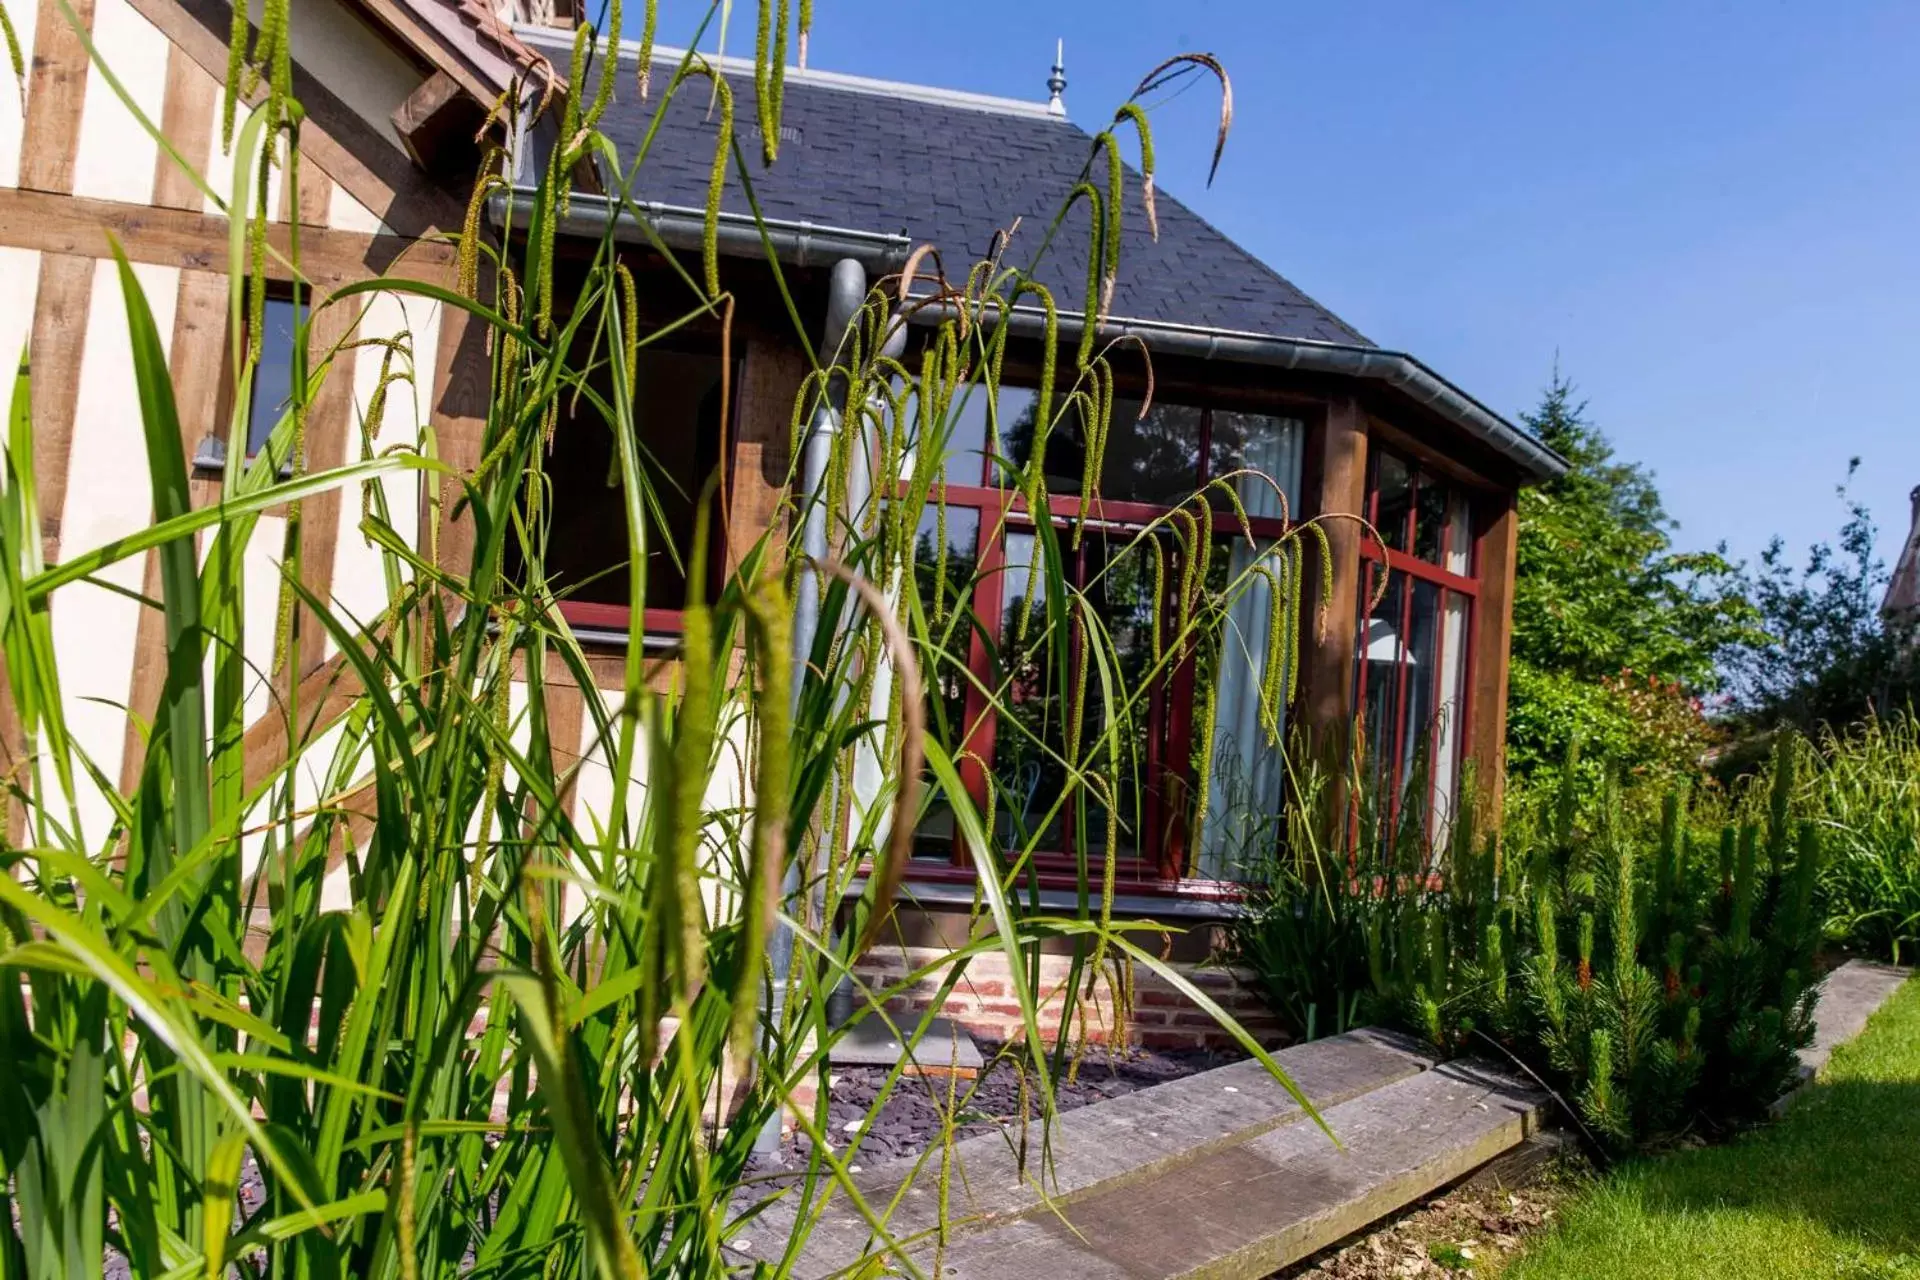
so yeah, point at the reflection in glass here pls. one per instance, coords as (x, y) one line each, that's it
(1121, 599)
(1380, 656)
(949, 582)
(1269, 446)
(272, 392)
(1416, 723)
(1029, 743)
(1394, 484)
(676, 410)
(1446, 733)
(1153, 459)
(970, 428)
(1430, 509)
(1247, 785)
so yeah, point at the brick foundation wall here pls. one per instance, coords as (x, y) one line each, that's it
(1163, 1017)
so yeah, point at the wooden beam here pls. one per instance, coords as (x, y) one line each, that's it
(78, 227)
(186, 117)
(330, 423)
(1493, 652)
(1327, 696)
(463, 386)
(56, 93)
(431, 115)
(195, 360)
(756, 470)
(427, 45)
(316, 198)
(334, 137)
(60, 312)
(326, 694)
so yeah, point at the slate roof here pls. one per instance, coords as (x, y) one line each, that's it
(950, 169)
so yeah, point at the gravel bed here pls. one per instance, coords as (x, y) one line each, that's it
(910, 1120)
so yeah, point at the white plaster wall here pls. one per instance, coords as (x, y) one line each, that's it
(593, 785)
(729, 790)
(355, 64)
(19, 285)
(344, 213)
(24, 17)
(220, 165)
(108, 496)
(260, 579)
(116, 155)
(359, 575)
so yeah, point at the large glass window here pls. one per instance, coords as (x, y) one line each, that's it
(1048, 663)
(1416, 603)
(676, 408)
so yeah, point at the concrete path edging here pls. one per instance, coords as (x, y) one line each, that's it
(1848, 997)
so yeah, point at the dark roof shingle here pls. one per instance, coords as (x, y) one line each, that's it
(949, 172)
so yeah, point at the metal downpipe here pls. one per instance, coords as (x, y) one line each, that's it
(846, 291)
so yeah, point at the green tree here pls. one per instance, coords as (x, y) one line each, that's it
(1828, 656)
(1616, 635)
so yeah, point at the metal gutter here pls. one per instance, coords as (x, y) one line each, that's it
(1394, 368)
(803, 244)
(807, 244)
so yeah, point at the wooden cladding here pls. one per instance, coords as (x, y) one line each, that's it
(198, 242)
(56, 93)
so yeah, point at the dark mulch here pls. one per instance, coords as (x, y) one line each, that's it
(910, 1120)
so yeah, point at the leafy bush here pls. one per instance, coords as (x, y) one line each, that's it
(1656, 978)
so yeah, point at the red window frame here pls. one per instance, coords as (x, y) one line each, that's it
(1164, 839)
(1376, 557)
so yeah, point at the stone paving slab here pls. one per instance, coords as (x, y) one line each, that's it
(1110, 1146)
(1848, 997)
(1255, 1207)
(944, 1048)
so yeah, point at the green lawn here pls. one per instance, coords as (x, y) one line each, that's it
(1832, 1191)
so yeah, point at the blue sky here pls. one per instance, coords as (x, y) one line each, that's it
(1709, 211)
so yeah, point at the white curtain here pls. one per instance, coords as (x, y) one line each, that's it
(1453, 672)
(1249, 779)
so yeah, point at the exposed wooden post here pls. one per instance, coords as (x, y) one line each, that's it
(770, 378)
(195, 360)
(463, 382)
(1326, 702)
(57, 89)
(186, 117)
(1492, 653)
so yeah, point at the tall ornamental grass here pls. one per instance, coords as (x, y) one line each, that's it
(528, 1043)
(1863, 786)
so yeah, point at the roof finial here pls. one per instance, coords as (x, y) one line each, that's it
(1057, 82)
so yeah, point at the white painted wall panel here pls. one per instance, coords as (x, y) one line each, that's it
(19, 285)
(220, 165)
(729, 790)
(344, 213)
(260, 582)
(357, 65)
(25, 18)
(108, 496)
(117, 155)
